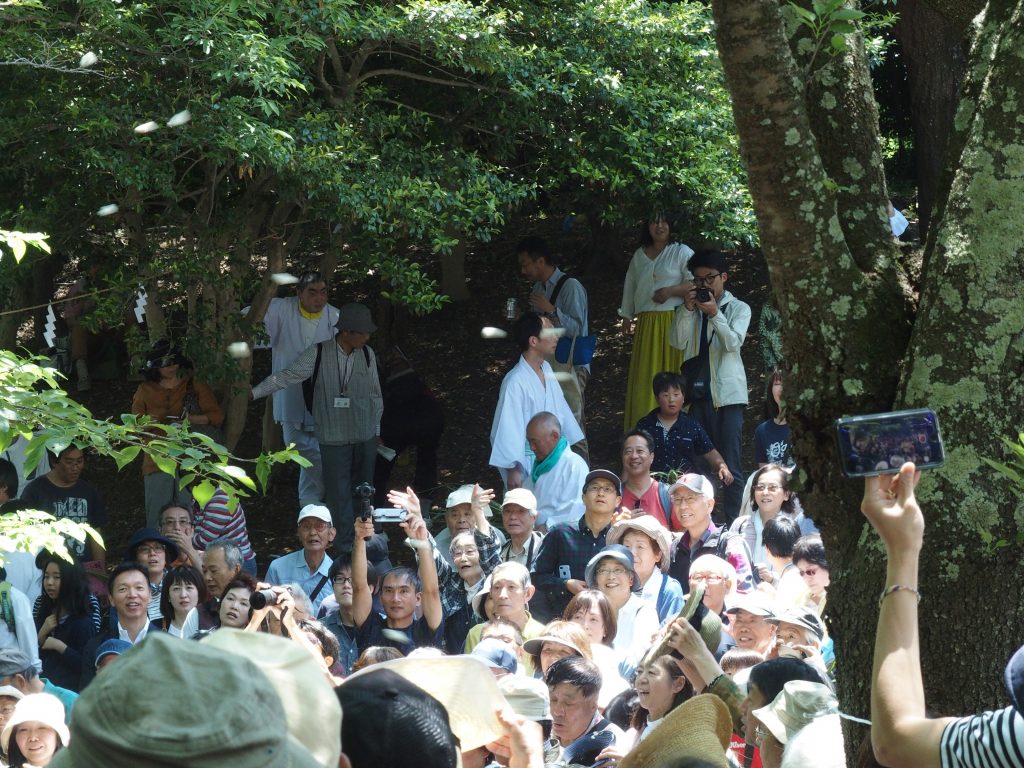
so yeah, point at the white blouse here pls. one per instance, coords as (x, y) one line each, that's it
(646, 275)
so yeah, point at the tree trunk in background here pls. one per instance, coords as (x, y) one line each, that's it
(846, 335)
(936, 58)
(453, 272)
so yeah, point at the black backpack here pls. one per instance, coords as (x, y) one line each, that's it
(309, 384)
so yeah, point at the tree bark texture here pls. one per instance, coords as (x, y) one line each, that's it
(967, 362)
(936, 55)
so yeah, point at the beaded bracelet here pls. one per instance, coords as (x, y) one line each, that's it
(897, 588)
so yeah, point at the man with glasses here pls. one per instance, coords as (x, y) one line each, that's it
(693, 498)
(294, 324)
(309, 567)
(342, 621)
(710, 333)
(560, 568)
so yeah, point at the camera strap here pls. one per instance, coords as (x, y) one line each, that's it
(319, 588)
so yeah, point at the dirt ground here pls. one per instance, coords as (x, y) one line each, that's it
(463, 369)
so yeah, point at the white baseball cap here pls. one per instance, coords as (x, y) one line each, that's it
(318, 511)
(523, 497)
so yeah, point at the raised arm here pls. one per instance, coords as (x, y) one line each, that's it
(431, 594)
(362, 597)
(901, 733)
(731, 331)
(481, 498)
(300, 370)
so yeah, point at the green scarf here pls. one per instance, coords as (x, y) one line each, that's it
(549, 462)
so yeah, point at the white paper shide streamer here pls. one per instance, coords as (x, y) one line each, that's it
(140, 304)
(50, 327)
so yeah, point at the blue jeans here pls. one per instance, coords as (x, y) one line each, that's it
(345, 467)
(725, 427)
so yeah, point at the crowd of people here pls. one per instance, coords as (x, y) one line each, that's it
(669, 612)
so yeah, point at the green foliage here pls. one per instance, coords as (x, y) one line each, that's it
(28, 530)
(826, 25)
(33, 406)
(19, 242)
(1012, 470)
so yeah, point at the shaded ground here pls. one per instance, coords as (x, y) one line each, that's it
(464, 371)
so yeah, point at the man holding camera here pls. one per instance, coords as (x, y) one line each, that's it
(710, 330)
(347, 406)
(309, 567)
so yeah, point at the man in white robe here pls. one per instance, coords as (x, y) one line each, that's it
(558, 473)
(294, 324)
(529, 388)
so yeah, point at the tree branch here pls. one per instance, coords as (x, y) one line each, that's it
(415, 76)
(51, 67)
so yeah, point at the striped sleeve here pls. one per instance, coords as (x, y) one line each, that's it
(216, 520)
(989, 740)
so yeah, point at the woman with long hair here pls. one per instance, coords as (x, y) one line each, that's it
(66, 617)
(655, 283)
(773, 437)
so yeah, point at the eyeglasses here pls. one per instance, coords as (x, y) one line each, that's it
(467, 551)
(812, 572)
(611, 571)
(7, 710)
(313, 525)
(599, 490)
(342, 579)
(685, 500)
(709, 578)
(769, 488)
(150, 549)
(707, 279)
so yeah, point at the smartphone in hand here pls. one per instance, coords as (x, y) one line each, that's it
(880, 443)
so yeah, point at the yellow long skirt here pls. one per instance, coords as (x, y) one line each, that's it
(651, 354)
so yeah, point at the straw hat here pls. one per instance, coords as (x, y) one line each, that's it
(700, 728)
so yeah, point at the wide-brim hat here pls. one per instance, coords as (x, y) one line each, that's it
(464, 686)
(44, 708)
(150, 534)
(355, 317)
(699, 728)
(797, 704)
(10, 690)
(650, 526)
(706, 622)
(527, 696)
(620, 554)
(534, 645)
(801, 617)
(222, 711)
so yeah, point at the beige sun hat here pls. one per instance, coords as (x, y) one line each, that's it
(799, 703)
(652, 528)
(464, 686)
(699, 728)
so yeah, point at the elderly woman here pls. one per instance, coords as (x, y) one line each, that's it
(612, 572)
(235, 602)
(35, 732)
(656, 280)
(651, 545)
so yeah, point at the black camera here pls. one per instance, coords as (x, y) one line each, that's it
(703, 294)
(262, 598)
(363, 494)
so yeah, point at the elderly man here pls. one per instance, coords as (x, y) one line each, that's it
(573, 684)
(222, 562)
(293, 325)
(347, 405)
(518, 515)
(750, 622)
(693, 498)
(18, 675)
(511, 590)
(560, 569)
(308, 567)
(459, 517)
(529, 388)
(557, 472)
(176, 524)
(129, 602)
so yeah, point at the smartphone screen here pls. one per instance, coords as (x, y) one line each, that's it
(879, 443)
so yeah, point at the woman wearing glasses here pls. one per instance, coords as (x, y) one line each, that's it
(612, 572)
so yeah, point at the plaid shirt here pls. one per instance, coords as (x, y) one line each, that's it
(454, 593)
(571, 545)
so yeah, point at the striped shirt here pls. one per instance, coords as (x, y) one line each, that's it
(989, 740)
(216, 521)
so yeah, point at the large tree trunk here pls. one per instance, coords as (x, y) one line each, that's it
(846, 337)
(936, 55)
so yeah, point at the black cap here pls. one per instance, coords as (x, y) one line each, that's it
(607, 474)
